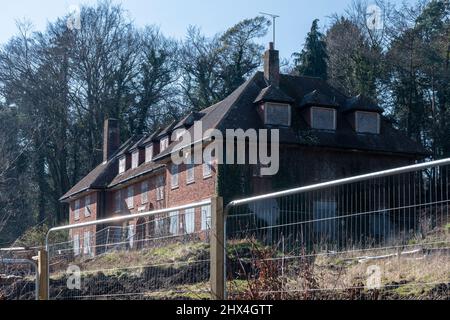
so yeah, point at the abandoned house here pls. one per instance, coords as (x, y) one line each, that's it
(324, 135)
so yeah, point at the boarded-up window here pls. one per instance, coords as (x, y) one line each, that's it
(367, 122)
(206, 217)
(160, 189)
(164, 144)
(77, 209)
(278, 114)
(323, 118)
(135, 160)
(87, 205)
(144, 192)
(76, 245)
(87, 243)
(118, 200)
(174, 223)
(174, 175)
(130, 197)
(122, 165)
(189, 221)
(148, 153)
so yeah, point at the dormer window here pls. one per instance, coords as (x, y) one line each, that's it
(135, 159)
(122, 164)
(367, 122)
(164, 144)
(149, 153)
(277, 114)
(323, 118)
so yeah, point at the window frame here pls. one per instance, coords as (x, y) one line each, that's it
(164, 144)
(144, 192)
(118, 201)
(275, 104)
(148, 153)
(327, 109)
(174, 176)
(206, 218)
(370, 113)
(130, 198)
(174, 222)
(87, 249)
(76, 211)
(76, 248)
(207, 168)
(87, 206)
(122, 164)
(191, 214)
(135, 159)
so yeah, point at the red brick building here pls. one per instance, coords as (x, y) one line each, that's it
(324, 135)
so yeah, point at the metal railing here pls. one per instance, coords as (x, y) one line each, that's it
(18, 287)
(331, 239)
(162, 254)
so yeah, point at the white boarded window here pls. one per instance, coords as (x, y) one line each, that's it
(118, 201)
(174, 175)
(87, 205)
(77, 209)
(190, 170)
(144, 192)
(174, 221)
(206, 218)
(149, 153)
(160, 189)
(87, 243)
(164, 144)
(122, 164)
(130, 197)
(135, 160)
(323, 118)
(367, 122)
(189, 220)
(131, 234)
(207, 166)
(76, 245)
(278, 114)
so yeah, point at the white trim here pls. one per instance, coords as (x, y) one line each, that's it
(122, 164)
(135, 159)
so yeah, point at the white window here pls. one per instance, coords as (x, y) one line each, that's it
(118, 201)
(144, 192)
(164, 144)
(76, 245)
(160, 189)
(135, 160)
(122, 164)
(207, 167)
(323, 118)
(174, 175)
(130, 197)
(87, 205)
(159, 226)
(189, 221)
(149, 153)
(77, 209)
(206, 218)
(324, 215)
(131, 234)
(367, 122)
(87, 243)
(277, 114)
(174, 223)
(190, 171)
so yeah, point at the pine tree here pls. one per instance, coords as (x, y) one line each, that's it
(312, 61)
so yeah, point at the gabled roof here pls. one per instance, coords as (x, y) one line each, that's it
(273, 94)
(361, 103)
(317, 98)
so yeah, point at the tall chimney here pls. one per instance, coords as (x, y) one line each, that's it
(111, 138)
(272, 65)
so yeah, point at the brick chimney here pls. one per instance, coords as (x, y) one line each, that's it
(272, 65)
(111, 138)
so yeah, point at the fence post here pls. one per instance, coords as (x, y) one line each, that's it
(43, 274)
(217, 249)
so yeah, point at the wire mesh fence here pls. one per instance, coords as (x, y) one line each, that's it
(18, 276)
(164, 255)
(383, 236)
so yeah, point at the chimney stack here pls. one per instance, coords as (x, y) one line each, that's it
(111, 138)
(272, 66)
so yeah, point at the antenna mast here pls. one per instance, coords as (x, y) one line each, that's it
(274, 17)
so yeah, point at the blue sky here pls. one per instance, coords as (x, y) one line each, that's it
(174, 16)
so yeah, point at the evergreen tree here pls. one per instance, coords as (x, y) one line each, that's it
(312, 61)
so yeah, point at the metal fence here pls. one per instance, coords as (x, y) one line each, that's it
(163, 254)
(385, 235)
(19, 279)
